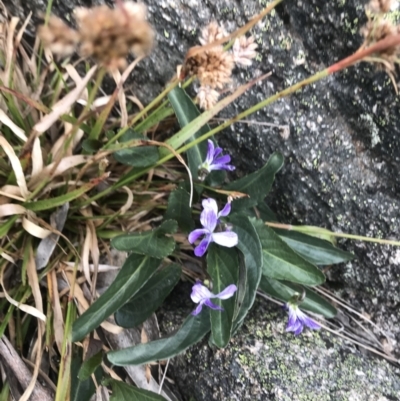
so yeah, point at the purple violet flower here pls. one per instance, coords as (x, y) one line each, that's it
(209, 219)
(215, 161)
(298, 319)
(202, 295)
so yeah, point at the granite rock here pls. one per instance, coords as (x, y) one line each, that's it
(341, 172)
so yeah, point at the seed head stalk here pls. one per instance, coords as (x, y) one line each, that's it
(358, 56)
(355, 58)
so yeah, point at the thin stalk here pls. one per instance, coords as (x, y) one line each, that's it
(315, 231)
(46, 21)
(26, 293)
(138, 116)
(64, 376)
(345, 63)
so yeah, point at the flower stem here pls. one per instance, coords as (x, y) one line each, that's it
(349, 61)
(318, 231)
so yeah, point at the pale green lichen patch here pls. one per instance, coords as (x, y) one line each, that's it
(263, 362)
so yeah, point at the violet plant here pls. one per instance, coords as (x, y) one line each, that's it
(209, 219)
(66, 197)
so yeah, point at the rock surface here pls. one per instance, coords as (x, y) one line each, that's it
(264, 363)
(341, 172)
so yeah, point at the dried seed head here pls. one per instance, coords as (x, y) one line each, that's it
(378, 29)
(244, 50)
(207, 97)
(211, 33)
(58, 37)
(212, 67)
(380, 6)
(217, 70)
(375, 31)
(106, 34)
(110, 34)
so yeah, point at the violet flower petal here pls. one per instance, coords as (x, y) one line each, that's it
(227, 292)
(222, 160)
(214, 160)
(298, 319)
(210, 153)
(212, 305)
(208, 217)
(196, 234)
(200, 292)
(307, 321)
(198, 309)
(228, 239)
(217, 152)
(225, 211)
(201, 249)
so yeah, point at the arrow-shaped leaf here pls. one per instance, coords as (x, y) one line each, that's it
(192, 331)
(284, 290)
(257, 185)
(313, 249)
(223, 267)
(186, 111)
(149, 297)
(135, 272)
(124, 392)
(249, 244)
(281, 262)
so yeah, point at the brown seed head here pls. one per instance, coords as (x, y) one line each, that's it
(375, 31)
(106, 34)
(380, 6)
(211, 33)
(110, 34)
(207, 97)
(244, 50)
(212, 67)
(58, 36)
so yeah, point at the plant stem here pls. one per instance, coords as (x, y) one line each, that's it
(315, 231)
(64, 375)
(139, 115)
(349, 61)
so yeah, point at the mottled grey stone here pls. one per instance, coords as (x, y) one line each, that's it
(264, 363)
(341, 172)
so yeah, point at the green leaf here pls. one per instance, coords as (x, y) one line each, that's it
(257, 185)
(178, 209)
(124, 392)
(88, 367)
(5, 227)
(281, 262)
(315, 250)
(82, 390)
(223, 267)
(149, 298)
(250, 246)
(192, 331)
(153, 243)
(186, 111)
(38, 206)
(265, 213)
(135, 272)
(138, 156)
(91, 145)
(284, 290)
(154, 118)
